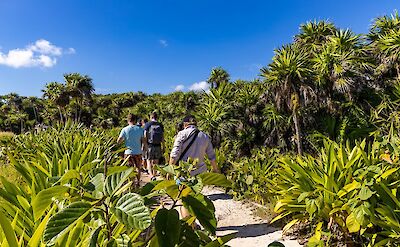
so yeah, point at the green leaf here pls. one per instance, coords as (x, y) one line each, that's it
(131, 211)
(91, 239)
(169, 169)
(249, 180)
(221, 241)
(24, 203)
(169, 186)
(115, 181)
(389, 172)
(8, 231)
(123, 240)
(352, 223)
(37, 235)
(98, 182)
(201, 207)
(188, 237)
(365, 193)
(167, 227)
(362, 214)
(349, 187)
(215, 179)
(65, 220)
(70, 174)
(44, 198)
(276, 244)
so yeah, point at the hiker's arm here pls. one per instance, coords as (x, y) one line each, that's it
(120, 140)
(214, 166)
(121, 137)
(176, 150)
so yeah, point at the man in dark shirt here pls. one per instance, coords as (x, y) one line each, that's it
(154, 135)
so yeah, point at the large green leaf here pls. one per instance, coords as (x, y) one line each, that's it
(65, 219)
(188, 237)
(44, 198)
(216, 179)
(131, 211)
(201, 207)
(123, 241)
(38, 234)
(8, 231)
(221, 241)
(167, 227)
(115, 181)
(352, 223)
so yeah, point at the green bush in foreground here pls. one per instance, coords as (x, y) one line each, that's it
(347, 194)
(77, 192)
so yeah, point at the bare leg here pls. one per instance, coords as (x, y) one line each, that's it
(150, 167)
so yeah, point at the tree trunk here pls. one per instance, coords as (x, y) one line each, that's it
(34, 113)
(297, 129)
(61, 115)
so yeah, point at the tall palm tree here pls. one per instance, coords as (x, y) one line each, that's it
(314, 34)
(57, 93)
(217, 77)
(287, 78)
(339, 64)
(384, 37)
(80, 88)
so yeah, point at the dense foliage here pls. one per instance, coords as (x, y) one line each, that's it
(77, 191)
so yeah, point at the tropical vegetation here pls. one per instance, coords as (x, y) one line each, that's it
(316, 135)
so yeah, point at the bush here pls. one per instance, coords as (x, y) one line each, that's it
(349, 192)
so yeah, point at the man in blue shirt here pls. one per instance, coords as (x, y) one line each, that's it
(133, 137)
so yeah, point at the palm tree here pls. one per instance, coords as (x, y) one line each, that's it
(314, 34)
(215, 113)
(340, 65)
(81, 88)
(287, 78)
(217, 77)
(384, 37)
(58, 94)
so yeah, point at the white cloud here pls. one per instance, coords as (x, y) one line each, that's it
(45, 47)
(200, 86)
(70, 51)
(179, 88)
(40, 54)
(196, 87)
(163, 42)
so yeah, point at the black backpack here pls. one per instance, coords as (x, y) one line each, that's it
(156, 133)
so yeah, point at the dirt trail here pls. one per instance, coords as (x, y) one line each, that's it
(236, 216)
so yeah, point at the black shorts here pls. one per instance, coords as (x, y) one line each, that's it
(154, 152)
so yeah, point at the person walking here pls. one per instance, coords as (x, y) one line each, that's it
(191, 143)
(133, 136)
(154, 135)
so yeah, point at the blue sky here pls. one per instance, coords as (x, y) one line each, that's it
(154, 46)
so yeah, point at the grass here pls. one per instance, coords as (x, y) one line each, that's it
(6, 134)
(10, 174)
(7, 171)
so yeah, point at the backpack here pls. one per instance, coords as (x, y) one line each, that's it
(156, 134)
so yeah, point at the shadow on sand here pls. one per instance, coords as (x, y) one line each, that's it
(252, 230)
(219, 196)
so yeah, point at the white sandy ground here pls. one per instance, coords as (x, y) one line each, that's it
(237, 216)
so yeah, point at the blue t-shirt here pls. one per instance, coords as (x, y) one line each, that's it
(132, 136)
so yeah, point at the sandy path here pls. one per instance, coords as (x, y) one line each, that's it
(236, 216)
